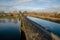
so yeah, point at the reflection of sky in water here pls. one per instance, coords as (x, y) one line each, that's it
(53, 27)
(9, 29)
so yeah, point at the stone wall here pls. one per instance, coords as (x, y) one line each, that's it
(31, 32)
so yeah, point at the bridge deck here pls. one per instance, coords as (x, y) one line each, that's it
(32, 32)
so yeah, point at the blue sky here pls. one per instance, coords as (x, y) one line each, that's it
(29, 5)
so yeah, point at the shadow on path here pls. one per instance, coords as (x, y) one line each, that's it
(23, 37)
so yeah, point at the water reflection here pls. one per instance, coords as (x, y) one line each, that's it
(2, 21)
(9, 29)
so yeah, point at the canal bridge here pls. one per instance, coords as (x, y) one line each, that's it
(34, 31)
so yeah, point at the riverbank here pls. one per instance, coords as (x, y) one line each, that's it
(48, 17)
(9, 16)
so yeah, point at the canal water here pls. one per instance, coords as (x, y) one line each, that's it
(10, 29)
(48, 25)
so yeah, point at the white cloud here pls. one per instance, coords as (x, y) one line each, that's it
(14, 2)
(25, 5)
(11, 4)
(52, 9)
(25, 8)
(45, 1)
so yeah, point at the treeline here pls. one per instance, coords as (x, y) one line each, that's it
(45, 14)
(9, 14)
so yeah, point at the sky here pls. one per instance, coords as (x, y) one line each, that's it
(29, 5)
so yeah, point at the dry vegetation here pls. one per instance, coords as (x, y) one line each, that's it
(9, 15)
(51, 16)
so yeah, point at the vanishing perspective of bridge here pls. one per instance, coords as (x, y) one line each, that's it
(35, 31)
